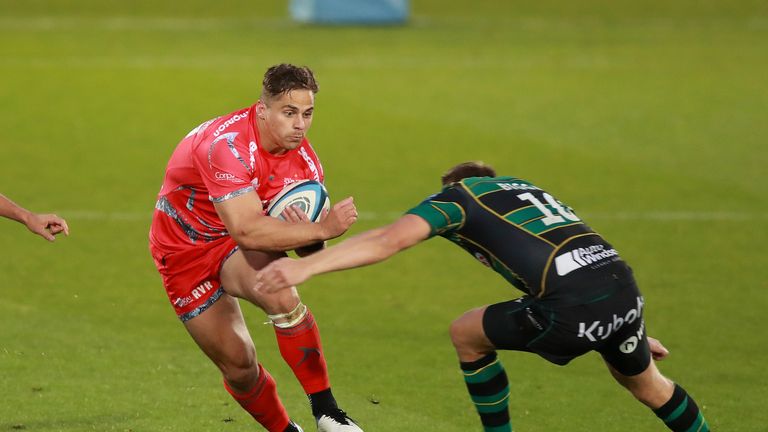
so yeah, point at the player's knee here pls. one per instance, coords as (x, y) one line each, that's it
(459, 334)
(467, 329)
(280, 302)
(240, 369)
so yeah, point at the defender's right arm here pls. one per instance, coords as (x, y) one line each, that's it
(364, 249)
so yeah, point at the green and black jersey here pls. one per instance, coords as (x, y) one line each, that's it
(533, 240)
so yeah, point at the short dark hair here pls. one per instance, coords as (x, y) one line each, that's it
(285, 77)
(468, 169)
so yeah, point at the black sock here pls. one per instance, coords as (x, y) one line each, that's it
(489, 389)
(681, 414)
(322, 402)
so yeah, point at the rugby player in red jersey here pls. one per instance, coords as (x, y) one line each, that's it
(210, 236)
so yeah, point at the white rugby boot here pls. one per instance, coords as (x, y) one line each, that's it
(336, 421)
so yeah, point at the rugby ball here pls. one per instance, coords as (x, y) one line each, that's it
(309, 195)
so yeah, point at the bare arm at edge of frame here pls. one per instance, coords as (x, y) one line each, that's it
(45, 225)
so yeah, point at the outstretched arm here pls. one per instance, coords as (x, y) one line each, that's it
(363, 249)
(44, 225)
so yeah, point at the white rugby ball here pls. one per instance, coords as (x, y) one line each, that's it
(309, 195)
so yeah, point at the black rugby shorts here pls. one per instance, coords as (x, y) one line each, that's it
(612, 325)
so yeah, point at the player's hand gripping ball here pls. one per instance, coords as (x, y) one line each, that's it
(308, 195)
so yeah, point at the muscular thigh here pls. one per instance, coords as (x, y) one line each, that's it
(222, 334)
(238, 279)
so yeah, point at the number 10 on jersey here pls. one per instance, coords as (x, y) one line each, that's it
(549, 217)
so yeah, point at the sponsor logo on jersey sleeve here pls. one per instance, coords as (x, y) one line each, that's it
(225, 176)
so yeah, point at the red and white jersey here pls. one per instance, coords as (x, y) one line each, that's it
(219, 160)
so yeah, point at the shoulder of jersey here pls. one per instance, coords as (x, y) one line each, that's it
(226, 124)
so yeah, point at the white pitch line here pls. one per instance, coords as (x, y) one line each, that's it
(135, 23)
(205, 62)
(43, 23)
(658, 215)
(96, 215)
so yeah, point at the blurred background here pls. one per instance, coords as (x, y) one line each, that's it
(647, 117)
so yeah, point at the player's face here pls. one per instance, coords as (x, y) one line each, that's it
(286, 120)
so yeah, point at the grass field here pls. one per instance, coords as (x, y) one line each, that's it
(649, 118)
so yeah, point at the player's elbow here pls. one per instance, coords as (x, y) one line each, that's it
(388, 245)
(250, 239)
(243, 239)
(395, 238)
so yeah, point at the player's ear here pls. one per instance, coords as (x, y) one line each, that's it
(261, 109)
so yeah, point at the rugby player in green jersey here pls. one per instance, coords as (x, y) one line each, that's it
(580, 295)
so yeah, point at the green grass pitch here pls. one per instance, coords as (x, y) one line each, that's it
(649, 118)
